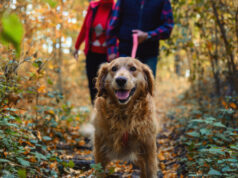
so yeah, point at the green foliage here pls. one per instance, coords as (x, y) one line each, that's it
(26, 138)
(214, 172)
(19, 147)
(211, 142)
(23, 162)
(205, 41)
(34, 115)
(12, 31)
(98, 169)
(22, 173)
(69, 164)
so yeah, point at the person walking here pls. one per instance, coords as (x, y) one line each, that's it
(150, 20)
(93, 32)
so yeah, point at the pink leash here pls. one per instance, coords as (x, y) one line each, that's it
(135, 45)
(133, 55)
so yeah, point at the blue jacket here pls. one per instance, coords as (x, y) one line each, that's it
(152, 16)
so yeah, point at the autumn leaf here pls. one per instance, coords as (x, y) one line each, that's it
(53, 165)
(29, 143)
(209, 45)
(38, 135)
(81, 143)
(27, 150)
(32, 159)
(224, 104)
(233, 105)
(41, 89)
(161, 156)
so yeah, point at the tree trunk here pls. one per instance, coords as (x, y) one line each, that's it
(59, 63)
(59, 58)
(177, 64)
(214, 63)
(232, 76)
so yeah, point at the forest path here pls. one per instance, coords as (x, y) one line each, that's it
(169, 91)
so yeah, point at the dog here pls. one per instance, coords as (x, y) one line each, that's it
(125, 122)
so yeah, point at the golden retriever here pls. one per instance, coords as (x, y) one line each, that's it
(125, 124)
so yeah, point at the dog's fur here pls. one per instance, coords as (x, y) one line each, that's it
(125, 127)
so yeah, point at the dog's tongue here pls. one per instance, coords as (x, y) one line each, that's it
(122, 94)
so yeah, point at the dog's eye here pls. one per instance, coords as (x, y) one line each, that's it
(114, 68)
(132, 69)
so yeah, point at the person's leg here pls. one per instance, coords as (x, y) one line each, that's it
(152, 63)
(93, 62)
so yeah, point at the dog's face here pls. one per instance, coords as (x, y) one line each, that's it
(124, 79)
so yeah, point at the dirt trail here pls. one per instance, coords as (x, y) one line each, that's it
(169, 150)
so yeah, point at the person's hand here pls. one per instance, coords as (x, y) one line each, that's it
(112, 56)
(76, 55)
(142, 36)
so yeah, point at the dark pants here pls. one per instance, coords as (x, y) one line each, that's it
(93, 62)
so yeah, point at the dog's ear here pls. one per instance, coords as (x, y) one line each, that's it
(149, 79)
(102, 73)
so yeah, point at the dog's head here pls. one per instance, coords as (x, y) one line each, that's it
(124, 79)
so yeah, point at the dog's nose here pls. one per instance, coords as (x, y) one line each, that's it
(121, 81)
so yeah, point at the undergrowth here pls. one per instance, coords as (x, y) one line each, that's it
(210, 133)
(30, 130)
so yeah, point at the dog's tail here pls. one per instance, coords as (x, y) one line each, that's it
(87, 130)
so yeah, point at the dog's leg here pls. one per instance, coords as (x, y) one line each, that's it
(100, 155)
(150, 159)
(141, 164)
(100, 158)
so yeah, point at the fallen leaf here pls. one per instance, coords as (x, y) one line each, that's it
(161, 156)
(233, 105)
(41, 89)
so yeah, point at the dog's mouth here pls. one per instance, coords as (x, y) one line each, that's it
(124, 95)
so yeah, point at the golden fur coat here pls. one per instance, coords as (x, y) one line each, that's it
(126, 130)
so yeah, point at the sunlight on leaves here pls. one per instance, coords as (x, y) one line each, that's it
(52, 3)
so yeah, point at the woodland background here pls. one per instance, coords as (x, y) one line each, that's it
(44, 97)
